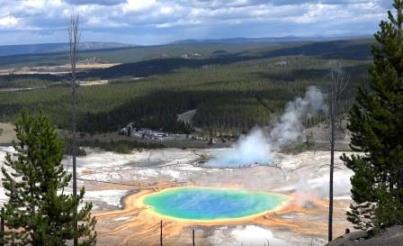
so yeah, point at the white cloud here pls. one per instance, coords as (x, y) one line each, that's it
(9, 22)
(137, 5)
(166, 10)
(193, 17)
(316, 11)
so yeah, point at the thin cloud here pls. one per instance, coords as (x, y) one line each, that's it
(95, 2)
(167, 20)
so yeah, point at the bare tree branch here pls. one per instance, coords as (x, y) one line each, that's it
(74, 40)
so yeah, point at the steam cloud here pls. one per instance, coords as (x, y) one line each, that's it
(250, 149)
(260, 148)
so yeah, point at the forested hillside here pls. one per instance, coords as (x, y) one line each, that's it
(232, 89)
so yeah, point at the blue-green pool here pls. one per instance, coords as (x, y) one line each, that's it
(206, 204)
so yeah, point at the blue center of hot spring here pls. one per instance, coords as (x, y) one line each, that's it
(193, 203)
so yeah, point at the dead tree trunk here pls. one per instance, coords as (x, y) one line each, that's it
(193, 237)
(74, 40)
(337, 87)
(332, 116)
(161, 241)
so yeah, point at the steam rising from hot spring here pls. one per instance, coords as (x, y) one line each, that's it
(289, 127)
(250, 149)
(260, 148)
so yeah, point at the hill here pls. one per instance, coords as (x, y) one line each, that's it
(35, 49)
(234, 87)
(355, 50)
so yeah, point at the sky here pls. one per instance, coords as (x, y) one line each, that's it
(148, 22)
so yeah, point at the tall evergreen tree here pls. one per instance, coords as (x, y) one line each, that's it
(376, 123)
(39, 212)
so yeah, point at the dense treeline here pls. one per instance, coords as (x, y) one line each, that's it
(156, 111)
(120, 146)
(229, 98)
(342, 49)
(17, 82)
(146, 61)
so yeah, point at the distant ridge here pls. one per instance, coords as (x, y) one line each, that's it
(33, 49)
(271, 39)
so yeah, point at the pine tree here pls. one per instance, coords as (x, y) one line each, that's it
(376, 123)
(39, 212)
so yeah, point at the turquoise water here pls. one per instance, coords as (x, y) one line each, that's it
(192, 203)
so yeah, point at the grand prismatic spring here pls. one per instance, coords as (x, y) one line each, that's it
(211, 204)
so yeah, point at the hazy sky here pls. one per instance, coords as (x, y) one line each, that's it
(162, 21)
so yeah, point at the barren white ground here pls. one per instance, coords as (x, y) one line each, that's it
(305, 174)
